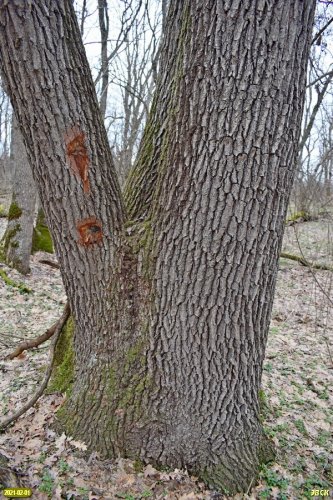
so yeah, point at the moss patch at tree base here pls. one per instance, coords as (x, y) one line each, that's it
(225, 477)
(63, 373)
(301, 216)
(41, 237)
(41, 240)
(8, 241)
(14, 211)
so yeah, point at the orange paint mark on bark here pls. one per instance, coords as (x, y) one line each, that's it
(90, 231)
(77, 155)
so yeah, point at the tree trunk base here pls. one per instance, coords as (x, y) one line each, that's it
(239, 470)
(232, 469)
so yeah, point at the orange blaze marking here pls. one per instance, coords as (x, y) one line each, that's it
(90, 231)
(77, 155)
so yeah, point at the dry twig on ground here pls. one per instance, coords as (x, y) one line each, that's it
(4, 422)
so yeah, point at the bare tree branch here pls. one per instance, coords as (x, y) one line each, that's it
(4, 422)
(320, 97)
(321, 31)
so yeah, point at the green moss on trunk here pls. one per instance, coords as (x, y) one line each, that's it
(9, 241)
(14, 211)
(63, 373)
(220, 476)
(41, 238)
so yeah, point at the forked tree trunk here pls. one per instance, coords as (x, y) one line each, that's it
(172, 295)
(15, 245)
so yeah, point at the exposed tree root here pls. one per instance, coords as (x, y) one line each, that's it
(304, 262)
(8, 476)
(10, 282)
(50, 263)
(29, 344)
(4, 422)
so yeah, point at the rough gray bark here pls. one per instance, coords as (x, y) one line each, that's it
(172, 308)
(15, 245)
(68, 149)
(224, 130)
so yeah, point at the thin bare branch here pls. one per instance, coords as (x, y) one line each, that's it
(6, 421)
(321, 31)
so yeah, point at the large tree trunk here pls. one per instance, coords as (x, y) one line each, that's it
(171, 308)
(15, 245)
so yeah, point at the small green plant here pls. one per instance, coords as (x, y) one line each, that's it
(165, 468)
(283, 399)
(17, 384)
(323, 460)
(299, 466)
(268, 367)
(47, 483)
(284, 442)
(269, 432)
(138, 466)
(63, 466)
(324, 394)
(299, 401)
(275, 431)
(299, 387)
(300, 426)
(263, 405)
(323, 438)
(281, 427)
(313, 483)
(266, 493)
(42, 457)
(146, 494)
(4, 403)
(273, 480)
(84, 492)
(285, 370)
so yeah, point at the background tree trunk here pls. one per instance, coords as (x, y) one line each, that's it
(6, 177)
(103, 17)
(17, 240)
(172, 309)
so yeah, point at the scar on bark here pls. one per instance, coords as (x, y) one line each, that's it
(77, 155)
(90, 231)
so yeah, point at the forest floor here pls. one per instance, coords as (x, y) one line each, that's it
(297, 391)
